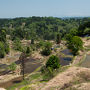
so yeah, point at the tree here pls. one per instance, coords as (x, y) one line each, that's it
(49, 69)
(7, 49)
(32, 41)
(47, 49)
(68, 37)
(2, 35)
(87, 31)
(75, 44)
(53, 62)
(58, 40)
(73, 32)
(2, 50)
(17, 45)
(28, 50)
(22, 59)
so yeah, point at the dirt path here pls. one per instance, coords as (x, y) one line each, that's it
(63, 78)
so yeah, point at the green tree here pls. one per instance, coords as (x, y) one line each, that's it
(28, 51)
(53, 62)
(17, 45)
(2, 50)
(75, 44)
(7, 49)
(87, 31)
(58, 40)
(73, 32)
(47, 49)
(32, 41)
(49, 69)
(68, 37)
(2, 35)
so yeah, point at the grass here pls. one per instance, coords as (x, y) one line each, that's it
(81, 60)
(25, 88)
(35, 76)
(48, 76)
(25, 82)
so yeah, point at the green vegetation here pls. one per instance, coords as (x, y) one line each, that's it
(53, 62)
(12, 67)
(32, 41)
(58, 40)
(2, 50)
(24, 82)
(45, 28)
(2, 35)
(75, 44)
(47, 49)
(28, 51)
(4, 46)
(40, 29)
(17, 45)
(51, 66)
(84, 29)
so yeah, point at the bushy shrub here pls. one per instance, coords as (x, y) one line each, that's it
(17, 45)
(75, 44)
(53, 62)
(47, 49)
(50, 68)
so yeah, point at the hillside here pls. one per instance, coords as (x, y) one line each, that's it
(45, 53)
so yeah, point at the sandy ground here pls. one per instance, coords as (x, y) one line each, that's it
(2, 89)
(86, 42)
(63, 78)
(82, 86)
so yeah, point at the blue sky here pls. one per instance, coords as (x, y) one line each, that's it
(56, 8)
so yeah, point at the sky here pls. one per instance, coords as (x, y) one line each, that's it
(55, 8)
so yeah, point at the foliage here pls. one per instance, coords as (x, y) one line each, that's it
(13, 67)
(2, 50)
(68, 37)
(40, 44)
(87, 31)
(32, 41)
(58, 40)
(28, 50)
(17, 45)
(7, 49)
(40, 27)
(4, 46)
(73, 32)
(84, 29)
(75, 44)
(2, 35)
(47, 49)
(53, 62)
(51, 67)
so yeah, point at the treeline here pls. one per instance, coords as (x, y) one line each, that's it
(84, 29)
(4, 47)
(40, 27)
